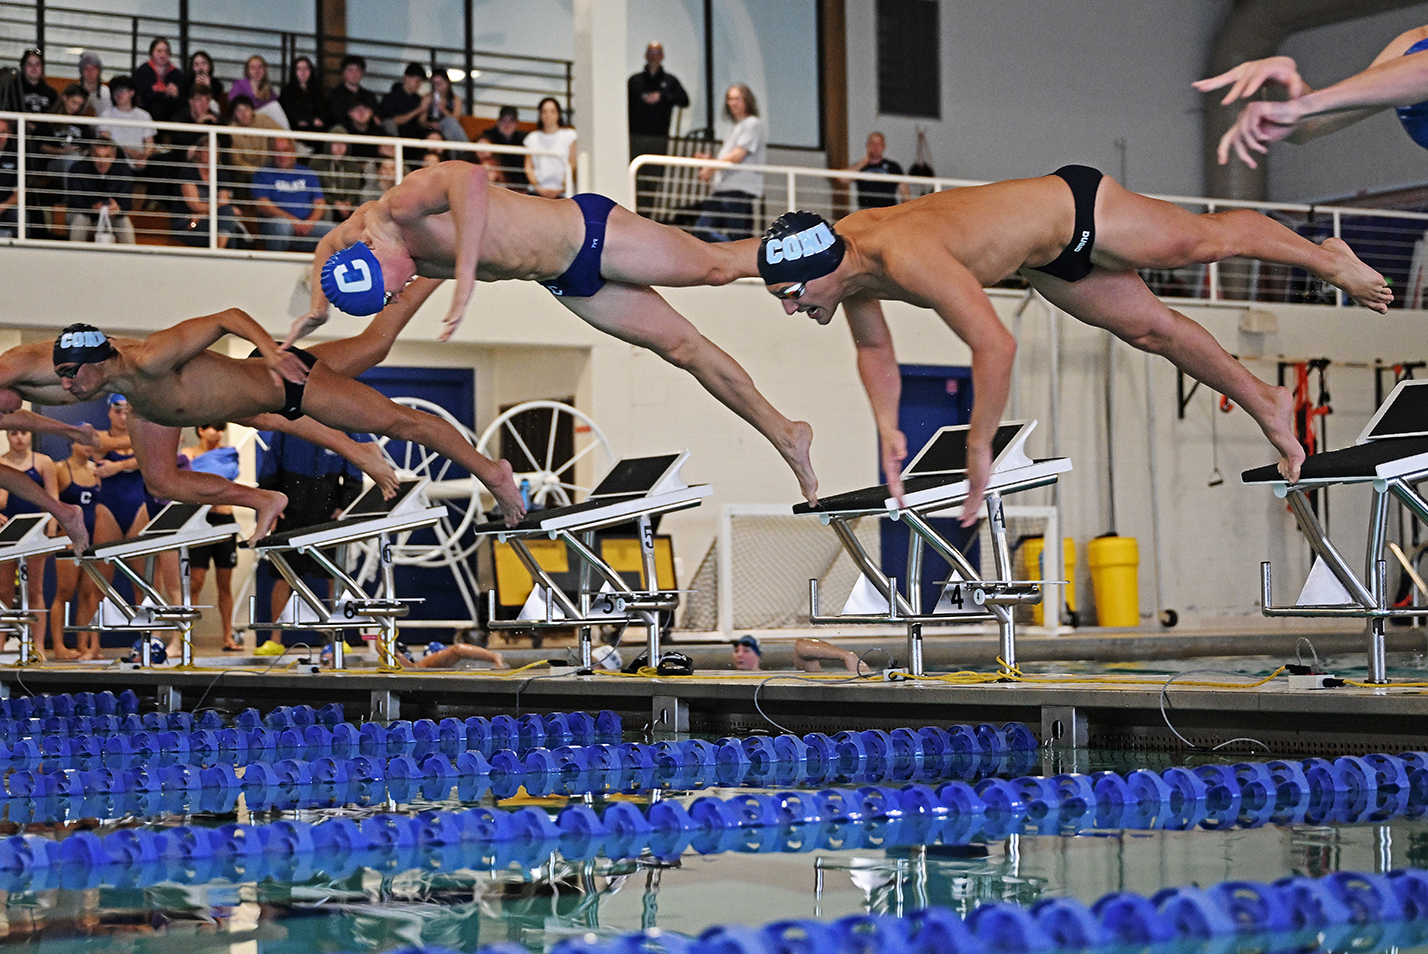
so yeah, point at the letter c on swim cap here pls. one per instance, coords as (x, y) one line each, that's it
(364, 283)
(773, 251)
(798, 247)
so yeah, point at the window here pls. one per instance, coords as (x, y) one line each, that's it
(909, 72)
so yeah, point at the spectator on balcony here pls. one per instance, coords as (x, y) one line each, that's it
(729, 212)
(435, 153)
(63, 143)
(192, 208)
(290, 202)
(443, 111)
(137, 142)
(254, 83)
(101, 182)
(9, 182)
(249, 153)
(404, 104)
(341, 176)
(158, 84)
(302, 99)
(97, 96)
(505, 167)
(873, 194)
(199, 113)
(546, 174)
(362, 121)
(36, 96)
(200, 73)
(653, 97)
(350, 90)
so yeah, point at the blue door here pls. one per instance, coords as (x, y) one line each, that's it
(933, 396)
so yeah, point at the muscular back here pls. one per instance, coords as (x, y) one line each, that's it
(208, 387)
(993, 229)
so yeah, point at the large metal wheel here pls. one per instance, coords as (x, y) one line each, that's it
(464, 497)
(554, 482)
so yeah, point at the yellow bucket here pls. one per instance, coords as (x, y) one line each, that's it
(1114, 564)
(1031, 550)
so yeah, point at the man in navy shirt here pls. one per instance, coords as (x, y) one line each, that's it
(290, 201)
(871, 193)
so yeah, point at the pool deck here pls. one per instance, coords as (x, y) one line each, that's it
(1110, 711)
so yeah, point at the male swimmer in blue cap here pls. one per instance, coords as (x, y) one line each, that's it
(1398, 76)
(1077, 237)
(599, 259)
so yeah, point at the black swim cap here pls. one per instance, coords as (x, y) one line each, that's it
(799, 247)
(82, 344)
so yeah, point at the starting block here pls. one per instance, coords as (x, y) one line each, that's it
(21, 538)
(368, 517)
(178, 526)
(636, 489)
(936, 480)
(1391, 454)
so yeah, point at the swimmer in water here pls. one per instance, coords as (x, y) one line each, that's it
(1075, 236)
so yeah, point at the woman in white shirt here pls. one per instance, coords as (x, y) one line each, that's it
(729, 212)
(547, 173)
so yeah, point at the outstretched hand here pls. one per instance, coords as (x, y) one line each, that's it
(304, 326)
(1259, 124)
(894, 453)
(979, 472)
(89, 436)
(450, 323)
(1246, 79)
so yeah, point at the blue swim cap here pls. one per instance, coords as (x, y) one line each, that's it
(118, 399)
(1415, 118)
(435, 646)
(352, 280)
(799, 247)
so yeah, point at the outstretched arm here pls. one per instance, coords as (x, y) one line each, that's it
(809, 653)
(23, 420)
(70, 517)
(167, 351)
(460, 188)
(458, 651)
(877, 367)
(346, 233)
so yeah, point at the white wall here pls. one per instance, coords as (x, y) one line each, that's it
(523, 344)
(1029, 85)
(1373, 155)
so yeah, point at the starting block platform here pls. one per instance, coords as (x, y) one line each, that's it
(178, 526)
(1391, 454)
(368, 517)
(23, 537)
(936, 480)
(635, 490)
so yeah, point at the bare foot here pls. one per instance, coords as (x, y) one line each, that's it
(304, 326)
(372, 462)
(92, 654)
(1359, 281)
(1278, 426)
(268, 514)
(796, 453)
(65, 654)
(503, 488)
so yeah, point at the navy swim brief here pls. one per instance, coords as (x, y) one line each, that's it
(582, 279)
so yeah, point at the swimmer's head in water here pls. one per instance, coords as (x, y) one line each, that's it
(799, 247)
(80, 344)
(352, 280)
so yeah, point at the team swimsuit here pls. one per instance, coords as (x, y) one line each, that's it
(1074, 262)
(17, 505)
(85, 498)
(582, 279)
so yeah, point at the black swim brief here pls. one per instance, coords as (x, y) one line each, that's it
(1074, 262)
(292, 393)
(582, 279)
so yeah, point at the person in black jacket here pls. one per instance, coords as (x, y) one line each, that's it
(653, 96)
(100, 182)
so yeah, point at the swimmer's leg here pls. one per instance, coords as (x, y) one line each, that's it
(641, 252)
(156, 447)
(638, 315)
(367, 456)
(1136, 231)
(1119, 302)
(349, 405)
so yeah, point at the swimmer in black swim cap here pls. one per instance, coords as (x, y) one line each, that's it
(80, 344)
(800, 247)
